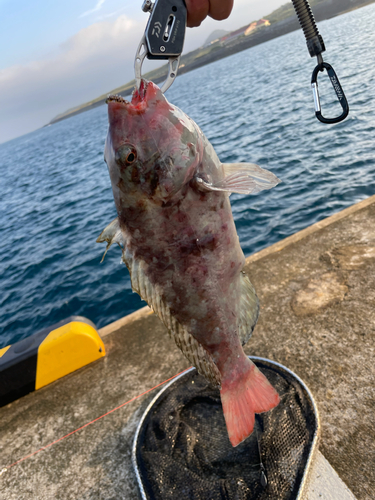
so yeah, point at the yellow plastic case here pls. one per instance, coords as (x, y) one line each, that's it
(47, 356)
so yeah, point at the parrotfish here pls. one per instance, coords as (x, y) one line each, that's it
(179, 242)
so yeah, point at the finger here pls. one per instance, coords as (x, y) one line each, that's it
(220, 9)
(197, 11)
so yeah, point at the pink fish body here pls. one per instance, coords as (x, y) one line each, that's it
(180, 244)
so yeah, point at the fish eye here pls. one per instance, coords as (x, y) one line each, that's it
(126, 155)
(131, 157)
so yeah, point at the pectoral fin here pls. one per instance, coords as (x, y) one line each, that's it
(111, 234)
(243, 178)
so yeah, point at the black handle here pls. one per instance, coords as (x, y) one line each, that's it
(165, 32)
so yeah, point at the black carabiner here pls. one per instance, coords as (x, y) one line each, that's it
(338, 89)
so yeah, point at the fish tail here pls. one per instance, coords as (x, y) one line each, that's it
(244, 396)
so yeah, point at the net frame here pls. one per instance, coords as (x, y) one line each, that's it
(260, 362)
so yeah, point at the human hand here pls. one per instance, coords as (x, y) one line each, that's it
(197, 10)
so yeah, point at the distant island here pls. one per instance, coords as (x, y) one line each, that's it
(222, 44)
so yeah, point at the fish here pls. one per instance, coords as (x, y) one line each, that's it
(179, 242)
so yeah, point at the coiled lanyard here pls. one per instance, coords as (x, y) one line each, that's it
(316, 46)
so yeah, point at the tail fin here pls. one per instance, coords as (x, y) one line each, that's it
(242, 398)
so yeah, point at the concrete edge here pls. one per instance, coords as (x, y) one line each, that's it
(116, 325)
(280, 245)
(325, 483)
(276, 247)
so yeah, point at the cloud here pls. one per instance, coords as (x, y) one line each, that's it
(97, 7)
(110, 14)
(94, 61)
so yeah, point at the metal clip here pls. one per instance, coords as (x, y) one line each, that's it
(173, 63)
(338, 89)
(163, 38)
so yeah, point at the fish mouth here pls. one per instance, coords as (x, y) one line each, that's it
(138, 95)
(116, 98)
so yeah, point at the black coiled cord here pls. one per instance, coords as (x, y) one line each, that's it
(314, 40)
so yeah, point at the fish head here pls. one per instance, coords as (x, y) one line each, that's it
(152, 147)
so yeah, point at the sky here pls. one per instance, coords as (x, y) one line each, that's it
(57, 55)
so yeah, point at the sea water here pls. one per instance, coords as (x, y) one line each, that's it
(255, 106)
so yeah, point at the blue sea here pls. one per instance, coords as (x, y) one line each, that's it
(255, 106)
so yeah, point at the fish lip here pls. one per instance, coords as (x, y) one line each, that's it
(116, 98)
(138, 96)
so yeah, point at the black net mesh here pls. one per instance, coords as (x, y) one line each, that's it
(183, 451)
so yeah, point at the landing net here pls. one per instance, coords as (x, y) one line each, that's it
(182, 451)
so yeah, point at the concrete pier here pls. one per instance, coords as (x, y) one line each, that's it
(317, 293)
